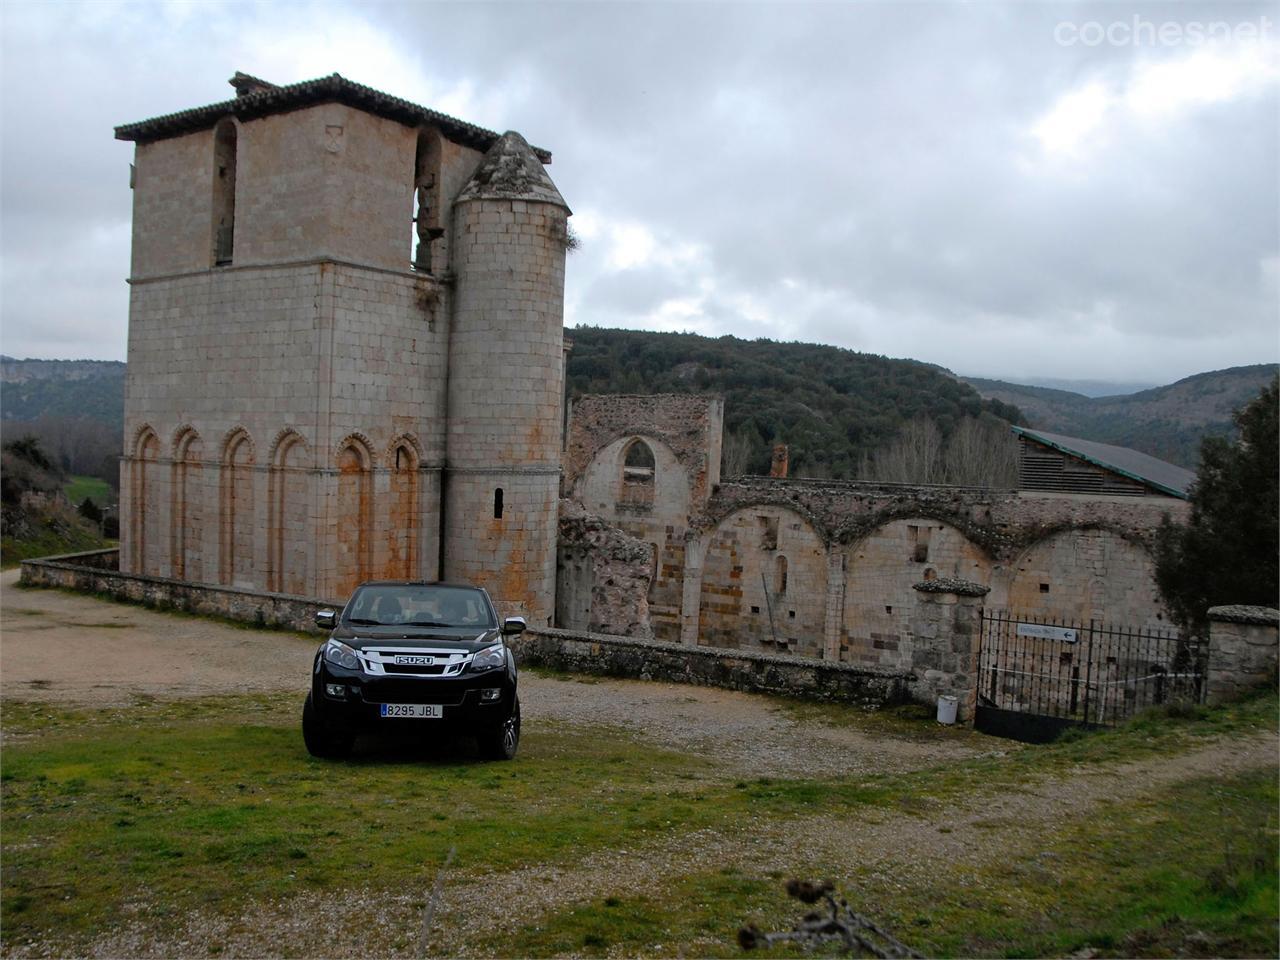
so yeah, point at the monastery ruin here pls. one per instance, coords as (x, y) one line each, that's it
(346, 361)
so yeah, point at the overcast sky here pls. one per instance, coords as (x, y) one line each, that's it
(1016, 190)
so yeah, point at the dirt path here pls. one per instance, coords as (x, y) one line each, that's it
(81, 651)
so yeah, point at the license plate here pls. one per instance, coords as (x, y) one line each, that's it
(412, 711)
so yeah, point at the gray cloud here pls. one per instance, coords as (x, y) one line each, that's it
(861, 174)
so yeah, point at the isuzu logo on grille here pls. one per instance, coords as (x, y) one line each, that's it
(405, 660)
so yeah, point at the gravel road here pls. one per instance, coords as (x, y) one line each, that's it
(82, 651)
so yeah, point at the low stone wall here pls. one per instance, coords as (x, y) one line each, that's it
(589, 653)
(95, 572)
(710, 667)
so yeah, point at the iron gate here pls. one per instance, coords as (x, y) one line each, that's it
(1038, 676)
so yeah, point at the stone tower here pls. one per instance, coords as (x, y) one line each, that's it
(506, 379)
(338, 315)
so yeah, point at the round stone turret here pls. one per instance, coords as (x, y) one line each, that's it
(506, 381)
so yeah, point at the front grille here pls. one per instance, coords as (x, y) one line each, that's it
(412, 691)
(421, 671)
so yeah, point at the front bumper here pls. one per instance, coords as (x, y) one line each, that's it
(358, 709)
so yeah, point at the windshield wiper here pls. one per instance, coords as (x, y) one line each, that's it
(427, 623)
(365, 623)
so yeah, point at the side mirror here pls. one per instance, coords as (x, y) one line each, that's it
(513, 626)
(327, 619)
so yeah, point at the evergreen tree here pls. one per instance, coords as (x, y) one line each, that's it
(1228, 551)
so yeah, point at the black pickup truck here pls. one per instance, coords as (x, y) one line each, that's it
(414, 657)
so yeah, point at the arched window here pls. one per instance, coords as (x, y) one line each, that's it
(224, 191)
(238, 511)
(405, 521)
(780, 575)
(638, 470)
(355, 513)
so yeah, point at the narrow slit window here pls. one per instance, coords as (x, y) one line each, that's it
(497, 503)
(224, 192)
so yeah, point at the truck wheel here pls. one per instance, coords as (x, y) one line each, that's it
(501, 741)
(321, 742)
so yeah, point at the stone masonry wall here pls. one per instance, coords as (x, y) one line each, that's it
(689, 426)
(602, 576)
(506, 372)
(1242, 650)
(268, 410)
(683, 434)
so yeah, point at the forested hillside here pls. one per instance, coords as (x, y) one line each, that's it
(1167, 422)
(834, 407)
(74, 408)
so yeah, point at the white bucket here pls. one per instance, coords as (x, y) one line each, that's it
(947, 709)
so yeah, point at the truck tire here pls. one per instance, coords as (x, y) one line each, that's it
(501, 741)
(322, 742)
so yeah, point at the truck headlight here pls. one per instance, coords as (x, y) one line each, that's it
(339, 654)
(489, 658)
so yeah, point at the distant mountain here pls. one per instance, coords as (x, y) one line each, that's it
(30, 389)
(1091, 388)
(832, 406)
(1167, 422)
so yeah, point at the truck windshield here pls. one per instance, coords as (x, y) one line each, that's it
(419, 606)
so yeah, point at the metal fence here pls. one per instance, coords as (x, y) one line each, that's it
(1086, 673)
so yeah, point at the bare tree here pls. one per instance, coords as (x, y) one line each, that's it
(915, 456)
(982, 452)
(736, 456)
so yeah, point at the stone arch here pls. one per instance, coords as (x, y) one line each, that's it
(741, 605)
(361, 444)
(882, 564)
(404, 528)
(237, 509)
(145, 524)
(288, 514)
(187, 505)
(1086, 572)
(355, 512)
(667, 499)
(637, 474)
(401, 441)
(226, 142)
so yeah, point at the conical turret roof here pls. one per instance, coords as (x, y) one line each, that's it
(511, 171)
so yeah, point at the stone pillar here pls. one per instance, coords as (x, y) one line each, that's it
(835, 603)
(946, 633)
(691, 593)
(1242, 650)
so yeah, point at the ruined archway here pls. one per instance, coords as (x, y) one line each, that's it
(1086, 573)
(879, 570)
(744, 603)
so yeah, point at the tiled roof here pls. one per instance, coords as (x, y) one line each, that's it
(268, 99)
(1166, 477)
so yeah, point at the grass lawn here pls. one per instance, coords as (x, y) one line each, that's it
(211, 804)
(77, 488)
